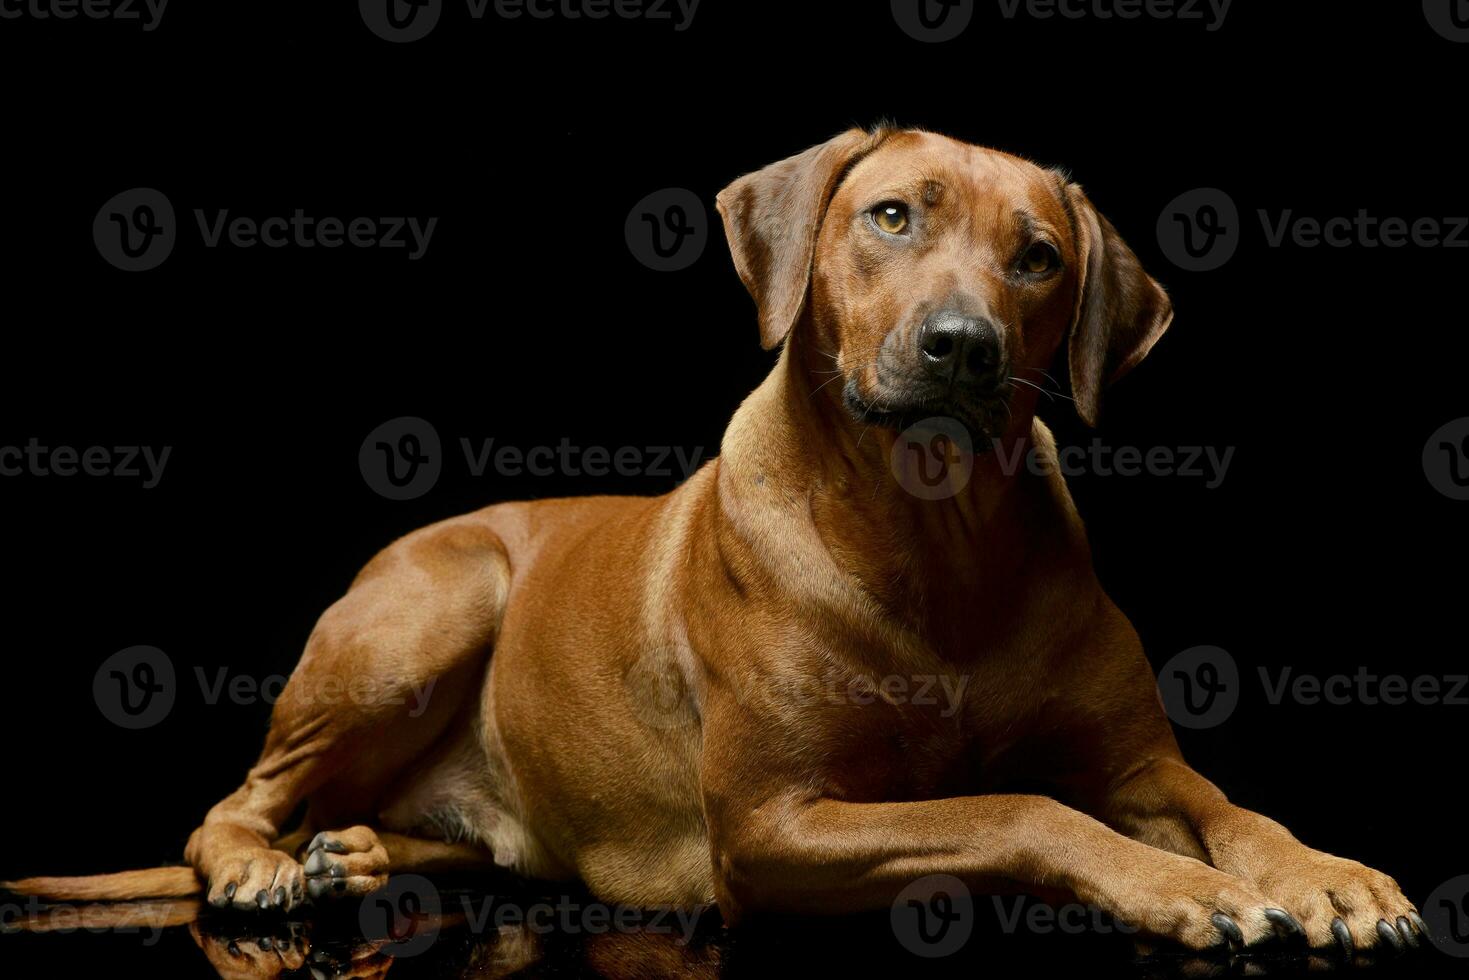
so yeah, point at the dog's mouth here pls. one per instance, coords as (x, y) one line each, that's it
(984, 414)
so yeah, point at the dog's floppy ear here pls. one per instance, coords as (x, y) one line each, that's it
(1120, 311)
(771, 218)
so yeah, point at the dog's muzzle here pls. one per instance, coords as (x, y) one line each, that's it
(951, 367)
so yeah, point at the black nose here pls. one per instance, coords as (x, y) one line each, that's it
(963, 349)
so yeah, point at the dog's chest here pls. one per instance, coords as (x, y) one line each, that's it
(922, 735)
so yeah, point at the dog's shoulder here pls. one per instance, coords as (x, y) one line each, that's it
(1049, 478)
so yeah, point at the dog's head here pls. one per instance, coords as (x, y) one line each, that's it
(939, 276)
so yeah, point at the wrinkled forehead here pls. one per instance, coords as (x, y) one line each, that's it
(925, 168)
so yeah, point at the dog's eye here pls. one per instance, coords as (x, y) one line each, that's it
(891, 217)
(1039, 259)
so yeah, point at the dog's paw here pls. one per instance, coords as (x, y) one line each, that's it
(344, 864)
(257, 957)
(255, 879)
(358, 961)
(1342, 904)
(1199, 907)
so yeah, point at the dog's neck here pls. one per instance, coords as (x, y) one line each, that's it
(955, 546)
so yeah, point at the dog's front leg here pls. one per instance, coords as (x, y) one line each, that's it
(831, 856)
(1336, 901)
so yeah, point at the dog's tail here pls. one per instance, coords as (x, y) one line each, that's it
(179, 882)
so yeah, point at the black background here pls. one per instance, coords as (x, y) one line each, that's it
(529, 320)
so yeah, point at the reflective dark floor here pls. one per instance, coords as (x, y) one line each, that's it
(419, 929)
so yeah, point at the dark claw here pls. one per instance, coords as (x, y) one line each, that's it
(1405, 929)
(1228, 928)
(280, 896)
(317, 863)
(318, 887)
(262, 898)
(233, 947)
(1389, 935)
(321, 842)
(1285, 924)
(265, 944)
(229, 891)
(1343, 937)
(340, 884)
(1417, 920)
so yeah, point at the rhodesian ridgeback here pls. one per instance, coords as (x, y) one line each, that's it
(712, 695)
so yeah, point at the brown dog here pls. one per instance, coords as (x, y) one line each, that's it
(715, 694)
